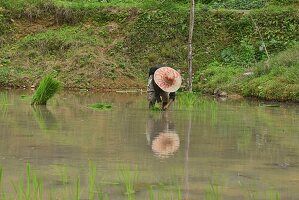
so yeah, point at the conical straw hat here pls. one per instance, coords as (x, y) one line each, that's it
(168, 79)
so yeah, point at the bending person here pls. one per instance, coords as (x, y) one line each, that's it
(163, 82)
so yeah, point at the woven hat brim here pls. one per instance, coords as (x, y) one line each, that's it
(160, 75)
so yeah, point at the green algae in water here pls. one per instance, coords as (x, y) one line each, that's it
(101, 106)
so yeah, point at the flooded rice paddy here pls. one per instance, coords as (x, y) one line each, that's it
(217, 150)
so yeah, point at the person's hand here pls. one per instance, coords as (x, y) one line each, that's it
(167, 105)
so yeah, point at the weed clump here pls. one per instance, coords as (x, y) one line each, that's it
(46, 90)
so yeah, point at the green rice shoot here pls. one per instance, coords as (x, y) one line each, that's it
(47, 88)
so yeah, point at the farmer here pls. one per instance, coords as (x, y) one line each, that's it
(163, 82)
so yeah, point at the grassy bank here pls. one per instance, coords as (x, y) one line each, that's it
(276, 80)
(106, 45)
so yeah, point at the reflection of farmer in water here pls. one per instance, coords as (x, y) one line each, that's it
(161, 135)
(162, 83)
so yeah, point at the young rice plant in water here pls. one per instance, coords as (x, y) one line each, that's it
(46, 90)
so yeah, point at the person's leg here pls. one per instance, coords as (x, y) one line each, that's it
(151, 97)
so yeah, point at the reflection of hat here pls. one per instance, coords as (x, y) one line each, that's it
(165, 144)
(168, 79)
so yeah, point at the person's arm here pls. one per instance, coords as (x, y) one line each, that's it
(171, 99)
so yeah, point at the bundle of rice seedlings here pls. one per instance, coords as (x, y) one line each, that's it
(46, 90)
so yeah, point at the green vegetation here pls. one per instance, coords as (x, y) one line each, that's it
(187, 100)
(110, 44)
(32, 187)
(47, 88)
(213, 192)
(101, 106)
(128, 178)
(276, 80)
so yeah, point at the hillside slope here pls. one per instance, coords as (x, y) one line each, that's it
(101, 46)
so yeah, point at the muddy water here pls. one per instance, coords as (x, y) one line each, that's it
(244, 149)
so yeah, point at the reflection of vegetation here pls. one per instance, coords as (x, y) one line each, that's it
(44, 118)
(25, 97)
(46, 89)
(3, 103)
(101, 106)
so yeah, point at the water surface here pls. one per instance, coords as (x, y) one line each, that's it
(250, 150)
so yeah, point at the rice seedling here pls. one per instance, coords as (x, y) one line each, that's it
(101, 195)
(28, 181)
(37, 185)
(1, 193)
(128, 178)
(33, 188)
(64, 175)
(213, 192)
(151, 193)
(156, 108)
(273, 195)
(91, 181)
(78, 188)
(46, 90)
(178, 189)
(187, 100)
(101, 106)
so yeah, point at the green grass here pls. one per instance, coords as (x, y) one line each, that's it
(59, 41)
(277, 80)
(47, 88)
